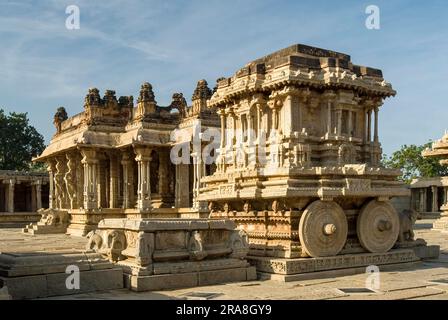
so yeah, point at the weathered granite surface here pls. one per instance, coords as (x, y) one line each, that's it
(35, 266)
(171, 253)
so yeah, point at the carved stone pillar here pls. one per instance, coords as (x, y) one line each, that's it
(339, 122)
(70, 181)
(261, 127)
(287, 115)
(128, 184)
(51, 172)
(231, 131)
(250, 129)
(195, 180)
(329, 98)
(33, 196)
(425, 196)
(375, 135)
(10, 195)
(79, 171)
(435, 206)
(350, 124)
(113, 180)
(60, 183)
(36, 197)
(222, 115)
(369, 126)
(198, 172)
(38, 188)
(90, 163)
(102, 182)
(274, 118)
(143, 158)
(422, 203)
(303, 100)
(182, 186)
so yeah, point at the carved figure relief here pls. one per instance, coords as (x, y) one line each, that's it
(195, 246)
(59, 117)
(239, 242)
(407, 221)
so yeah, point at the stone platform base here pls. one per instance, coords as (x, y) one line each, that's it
(427, 252)
(17, 219)
(441, 224)
(158, 254)
(79, 230)
(39, 275)
(190, 279)
(429, 215)
(33, 229)
(4, 294)
(308, 268)
(331, 273)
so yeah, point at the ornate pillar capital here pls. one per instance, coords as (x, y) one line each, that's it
(89, 156)
(143, 158)
(10, 181)
(329, 96)
(142, 153)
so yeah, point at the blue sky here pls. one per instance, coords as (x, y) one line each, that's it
(172, 44)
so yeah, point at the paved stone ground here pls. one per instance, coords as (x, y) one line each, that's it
(403, 283)
(13, 240)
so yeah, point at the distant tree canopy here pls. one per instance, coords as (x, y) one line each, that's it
(412, 164)
(19, 142)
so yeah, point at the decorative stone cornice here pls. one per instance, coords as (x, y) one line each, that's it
(92, 98)
(146, 93)
(202, 91)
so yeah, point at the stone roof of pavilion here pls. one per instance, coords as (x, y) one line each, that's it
(109, 122)
(428, 182)
(23, 175)
(439, 148)
(305, 66)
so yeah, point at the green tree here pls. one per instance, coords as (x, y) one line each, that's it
(19, 142)
(413, 165)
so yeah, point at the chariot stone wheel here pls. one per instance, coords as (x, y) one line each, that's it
(323, 229)
(378, 226)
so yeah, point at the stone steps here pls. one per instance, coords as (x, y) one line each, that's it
(39, 275)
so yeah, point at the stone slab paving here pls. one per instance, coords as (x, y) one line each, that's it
(13, 240)
(402, 283)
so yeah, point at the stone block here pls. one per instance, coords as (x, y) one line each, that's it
(90, 281)
(332, 273)
(222, 276)
(4, 293)
(222, 224)
(16, 265)
(54, 284)
(26, 287)
(161, 282)
(189, 279)
(347, 261)
(251, 273)
(427, 252)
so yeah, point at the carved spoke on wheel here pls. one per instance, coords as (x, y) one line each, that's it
(378, 226)
(323, 229)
